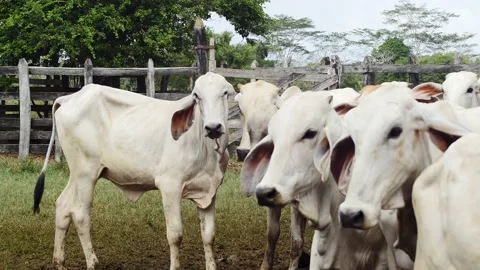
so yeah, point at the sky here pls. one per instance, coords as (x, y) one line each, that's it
(346, 15)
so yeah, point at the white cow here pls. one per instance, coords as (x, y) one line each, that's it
(294, 178)
(460, 88)
(445, 200)
(141, 144)
(386, 148)
(258, 102)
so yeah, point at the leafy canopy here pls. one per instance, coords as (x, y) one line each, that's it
(114, 32)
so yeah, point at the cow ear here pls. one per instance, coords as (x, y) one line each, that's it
(341, 159)
(321, 156)
(182, 119)
(441, 130)
(343, 108)
(256, 164)
(427, 92)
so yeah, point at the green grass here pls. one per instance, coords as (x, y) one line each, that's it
(128, 235)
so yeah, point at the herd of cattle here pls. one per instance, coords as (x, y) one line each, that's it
(385, 176)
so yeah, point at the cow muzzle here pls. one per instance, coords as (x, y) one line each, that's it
(242, 154)
(266, 196)
(214, 130)
(358, 217)
(353, 219)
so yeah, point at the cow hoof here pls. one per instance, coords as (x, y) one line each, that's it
(304, 261)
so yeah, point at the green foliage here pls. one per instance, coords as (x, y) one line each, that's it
(435, 59)
(114, 32)
(392, 51)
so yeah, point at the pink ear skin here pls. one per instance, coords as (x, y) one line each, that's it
(255, 165)
(343, 108)
(427, 92)
(341, 161)
(182, 120)
(441, 139)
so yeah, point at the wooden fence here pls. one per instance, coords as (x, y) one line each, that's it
(23, 134)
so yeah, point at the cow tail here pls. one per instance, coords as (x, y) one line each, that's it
(40, 185)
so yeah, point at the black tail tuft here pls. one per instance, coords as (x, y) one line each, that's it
(38, 193)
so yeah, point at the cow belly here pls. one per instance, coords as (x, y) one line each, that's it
(132, 187)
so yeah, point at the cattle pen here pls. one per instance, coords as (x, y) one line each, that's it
(25, 108)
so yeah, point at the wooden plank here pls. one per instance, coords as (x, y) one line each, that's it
(411, 68)
(35, 135)
(274, 74)
(48, 95)
(234, 124)
(234, 137)
(413, 78)
(56, 71)
(16, 108)
(25, 110)
(212, 63)
(337, 65)
(42, 123)
(233, 112)
(8, 70)
(53, 89)
(333, 80)
(8, 96)
(150, 79)
(368, 77)
(88, 71)
(46, 81)
(34, 148)
(284, 82)
(171, 95)
(9, 122)
(201, 38)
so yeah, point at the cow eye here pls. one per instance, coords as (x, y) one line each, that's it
(470, 90)
(195, 95)
(309, 134)
(394, 133)
(226, 93)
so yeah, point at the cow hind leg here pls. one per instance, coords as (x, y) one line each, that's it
(273, 232)
(207, 226)
(62, 223)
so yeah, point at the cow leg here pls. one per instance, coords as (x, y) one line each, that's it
(207, 226)
(297, 229)
(171, 198)
(273, 232)
(389, 226)
(62, 223)
(82, 195)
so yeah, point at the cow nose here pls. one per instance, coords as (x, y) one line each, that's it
(266, 196)
(352, 219)
(242, 154)
(214, 130)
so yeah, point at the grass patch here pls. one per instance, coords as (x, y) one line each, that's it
(128, 235)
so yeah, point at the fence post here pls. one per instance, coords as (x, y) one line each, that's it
(212, 62)
(150, 79)
(457, 60)
(253, 66)
(201, 38)
(88, 72)
(413, 78)
(337, 65)
(368, 77)
(25, 110)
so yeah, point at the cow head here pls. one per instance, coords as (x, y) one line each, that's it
(460, 88)
(282, 163)
(258, 102)
(386, 145)
(210, 94)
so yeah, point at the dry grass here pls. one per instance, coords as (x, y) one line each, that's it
(128, 235)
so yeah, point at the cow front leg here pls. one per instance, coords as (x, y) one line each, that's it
(273, 232)
(297, 229)
(207, 227)
(173, 219)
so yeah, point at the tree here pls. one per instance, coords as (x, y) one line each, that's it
(392, 51)
(331, 43)
(114, 32)
(419, 27)
(287, 38)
